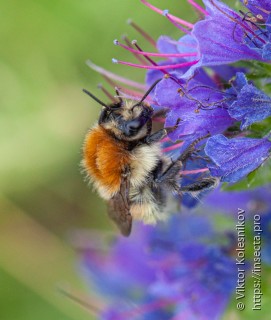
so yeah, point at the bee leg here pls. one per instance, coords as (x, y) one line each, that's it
(173, 169)
(161, 113)
(160, 134)
(156, 136)
(191, 148)
(170, 174)
(204, 184)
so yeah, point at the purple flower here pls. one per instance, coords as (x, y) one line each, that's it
(237, 83)
(220, 37)
(223, 37)
(164, 272)
(196, 95)
(201, 108)
(246, 103)
(233, 159)
(127, 273)
(252, 105)
(251, 200)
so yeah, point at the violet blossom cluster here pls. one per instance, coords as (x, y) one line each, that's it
(171, 271)
(179, 269)
(184, 269)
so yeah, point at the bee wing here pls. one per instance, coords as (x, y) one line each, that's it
(119, 208)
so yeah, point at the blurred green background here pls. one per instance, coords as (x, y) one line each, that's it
(43, 119)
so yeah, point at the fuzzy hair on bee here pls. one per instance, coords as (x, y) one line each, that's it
(123, 159)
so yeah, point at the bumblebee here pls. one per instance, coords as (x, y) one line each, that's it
(123, 159)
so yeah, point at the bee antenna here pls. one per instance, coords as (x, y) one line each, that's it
(148, 92)
(95, 98)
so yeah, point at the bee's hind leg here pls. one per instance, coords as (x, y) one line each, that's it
(198, 186)
(168, 176)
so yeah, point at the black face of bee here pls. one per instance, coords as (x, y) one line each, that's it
(126, 118)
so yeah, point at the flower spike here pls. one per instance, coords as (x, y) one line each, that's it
(155, 54)
(129, 45)
(177, 25)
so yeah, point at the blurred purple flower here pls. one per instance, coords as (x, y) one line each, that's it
(171, 271)
(251, 200)
(265, 223)
(234, 158)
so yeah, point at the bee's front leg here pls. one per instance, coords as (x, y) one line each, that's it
(188, 152)
(159, 135)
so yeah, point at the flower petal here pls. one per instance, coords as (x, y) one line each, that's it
(252, 105)
(234, 158)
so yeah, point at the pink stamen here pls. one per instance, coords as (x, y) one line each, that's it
(198, 7)
(153, 63)
(187, 172)
(178, 20)
(177, 25)
(133, 95)
(166, 139)
(130, 94)
(125, 91)
(146, 57)
(142, 32)
(154, 54)
(138, 57)
(175, 66)
(115, 76)
(173, 147)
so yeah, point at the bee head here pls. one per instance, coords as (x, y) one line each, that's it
(127, 119)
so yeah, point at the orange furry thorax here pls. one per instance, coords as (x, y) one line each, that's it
(105, 158)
